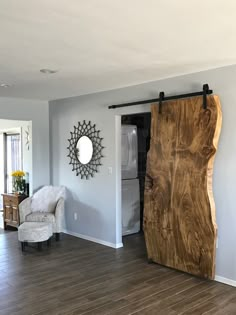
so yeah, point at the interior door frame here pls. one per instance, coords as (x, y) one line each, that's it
(120, 112)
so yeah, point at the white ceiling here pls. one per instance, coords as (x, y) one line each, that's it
(103, 44)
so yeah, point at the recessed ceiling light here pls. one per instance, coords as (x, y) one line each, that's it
(4, 85)
(48, 71)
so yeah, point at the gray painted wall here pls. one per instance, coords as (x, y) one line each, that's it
(96, 200)
(38, 113)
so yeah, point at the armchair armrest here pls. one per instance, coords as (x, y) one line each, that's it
(60, 215)
(25, 208)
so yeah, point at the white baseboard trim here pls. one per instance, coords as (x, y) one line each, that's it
(93, 239)
(225, 281)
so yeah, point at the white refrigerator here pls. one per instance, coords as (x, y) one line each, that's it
(130, 181)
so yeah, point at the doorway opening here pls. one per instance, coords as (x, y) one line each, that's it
(15, 154)
(135, 142)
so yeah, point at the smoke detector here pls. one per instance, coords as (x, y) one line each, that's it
(4, 85)
(48, 71)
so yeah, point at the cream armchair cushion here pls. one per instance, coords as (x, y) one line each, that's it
(45, 199)
(46, 205)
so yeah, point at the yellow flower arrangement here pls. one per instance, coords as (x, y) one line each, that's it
(18, 174)
(18, 182)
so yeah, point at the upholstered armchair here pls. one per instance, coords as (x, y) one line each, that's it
(46, 205)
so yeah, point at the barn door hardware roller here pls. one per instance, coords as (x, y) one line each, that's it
(205, 91)
(161, 99)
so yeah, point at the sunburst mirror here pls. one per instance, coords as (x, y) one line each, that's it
(85, 149)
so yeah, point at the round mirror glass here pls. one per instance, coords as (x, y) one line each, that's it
(84, 150)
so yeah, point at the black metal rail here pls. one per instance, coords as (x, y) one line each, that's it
(205, 91)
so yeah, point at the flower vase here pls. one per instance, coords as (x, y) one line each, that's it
(18, 185)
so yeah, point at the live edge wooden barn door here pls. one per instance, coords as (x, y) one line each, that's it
(179, 211)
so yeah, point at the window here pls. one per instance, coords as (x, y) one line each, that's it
(1, 168)
(13, 157)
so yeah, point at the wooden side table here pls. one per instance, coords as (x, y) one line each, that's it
(11, 209)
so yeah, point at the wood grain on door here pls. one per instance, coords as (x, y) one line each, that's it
(179, 212)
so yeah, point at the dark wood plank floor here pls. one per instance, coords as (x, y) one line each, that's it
(75, 276)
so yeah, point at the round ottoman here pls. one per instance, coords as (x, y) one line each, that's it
(35, 232)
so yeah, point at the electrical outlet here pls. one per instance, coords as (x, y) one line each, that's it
(75, 216)
(109, 170)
